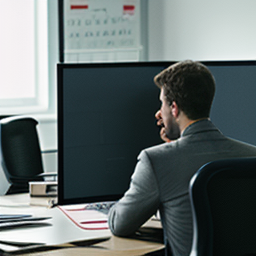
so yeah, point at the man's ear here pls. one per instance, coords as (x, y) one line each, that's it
(175, 109)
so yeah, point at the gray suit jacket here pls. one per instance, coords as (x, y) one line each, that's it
(161, 180)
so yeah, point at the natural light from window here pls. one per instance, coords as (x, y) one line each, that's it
(23, 57)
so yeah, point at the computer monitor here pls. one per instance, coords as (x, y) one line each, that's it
(234, 105)
(106, 116)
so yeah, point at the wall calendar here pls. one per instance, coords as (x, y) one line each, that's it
(100, 26)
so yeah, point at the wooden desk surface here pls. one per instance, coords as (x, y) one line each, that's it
(113, 246)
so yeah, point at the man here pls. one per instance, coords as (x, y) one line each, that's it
(162, 174)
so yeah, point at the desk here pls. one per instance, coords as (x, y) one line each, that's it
(112, 246)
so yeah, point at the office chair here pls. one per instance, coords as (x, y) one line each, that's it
(223, 200)
(20, 154)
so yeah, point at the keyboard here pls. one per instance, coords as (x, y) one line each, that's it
(101, 206)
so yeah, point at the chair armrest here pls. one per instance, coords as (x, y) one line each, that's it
(44, 175)
(16, 179)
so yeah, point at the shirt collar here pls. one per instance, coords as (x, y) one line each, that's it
(191, 124)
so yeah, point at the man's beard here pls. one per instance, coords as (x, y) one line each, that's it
(173, 131)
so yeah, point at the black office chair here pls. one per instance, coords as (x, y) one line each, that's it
(20, 154)
(223, 198)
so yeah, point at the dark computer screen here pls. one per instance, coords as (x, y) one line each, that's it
(234, 105)
(106, 116)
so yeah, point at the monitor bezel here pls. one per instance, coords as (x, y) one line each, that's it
(60, 67)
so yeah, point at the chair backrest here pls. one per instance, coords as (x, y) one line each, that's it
(21, 159)
(223, 200)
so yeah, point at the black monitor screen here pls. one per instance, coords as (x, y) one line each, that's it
(106, 116)
(234, 106)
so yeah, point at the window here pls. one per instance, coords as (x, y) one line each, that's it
(23, 57)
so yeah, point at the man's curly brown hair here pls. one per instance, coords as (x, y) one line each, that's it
(191, 85)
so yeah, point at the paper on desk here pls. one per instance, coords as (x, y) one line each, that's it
(7, 248)
(14, 246)
(62, 231)
(10, 223)
(5, 217)
(86, 219)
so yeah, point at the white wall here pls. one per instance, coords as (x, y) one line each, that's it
(202, 29)
(47, 127)
(177, 30)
